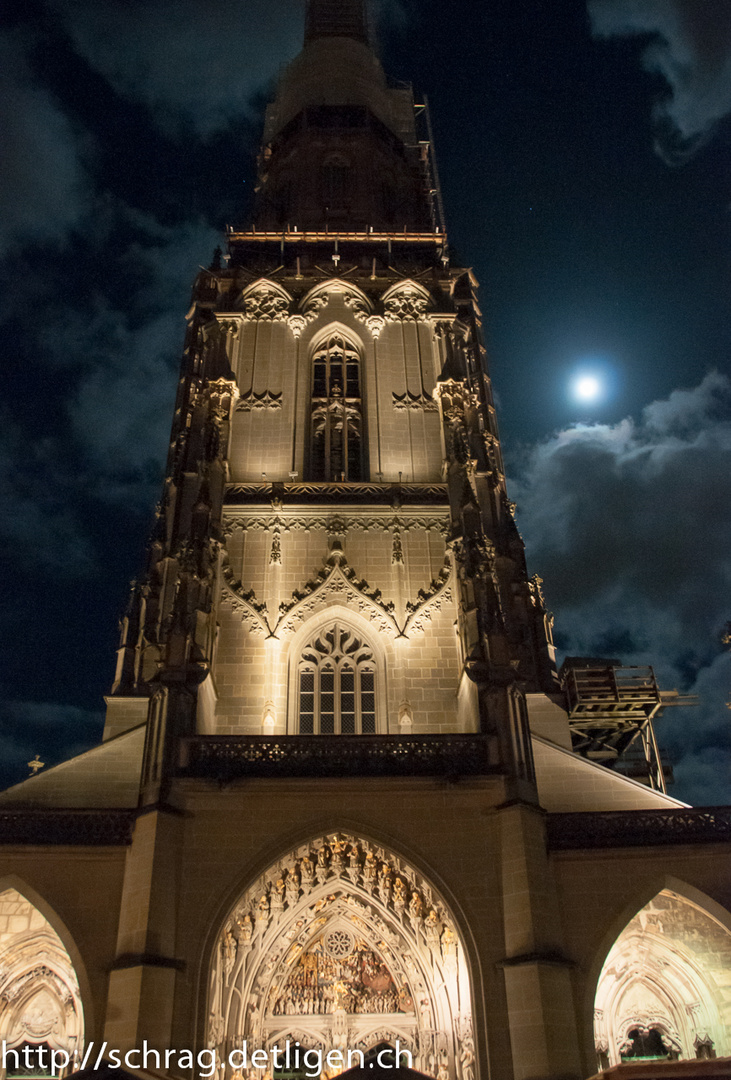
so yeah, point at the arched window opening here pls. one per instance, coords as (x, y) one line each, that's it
(659, 992)
(342, 944)
(40, 1004)
(337, 685)
(336, 421)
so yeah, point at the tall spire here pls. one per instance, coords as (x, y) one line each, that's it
(336, 18)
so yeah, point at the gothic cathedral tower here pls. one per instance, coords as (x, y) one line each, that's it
(336, 733)
(336, 597)
(336, 552)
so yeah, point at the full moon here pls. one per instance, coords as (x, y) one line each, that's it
(587, 388)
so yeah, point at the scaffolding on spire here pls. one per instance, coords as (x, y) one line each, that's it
(336, 18)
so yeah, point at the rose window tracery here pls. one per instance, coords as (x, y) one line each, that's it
(339, 943)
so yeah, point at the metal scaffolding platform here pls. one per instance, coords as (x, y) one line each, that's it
(611, 710)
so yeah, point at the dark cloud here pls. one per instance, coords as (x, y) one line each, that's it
(38, 522)
(628, 524)
(121, 403)
(191, 61)
(44, 188)
(690, 47)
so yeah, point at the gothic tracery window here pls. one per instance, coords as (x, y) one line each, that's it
(336, 422)
(337, 684)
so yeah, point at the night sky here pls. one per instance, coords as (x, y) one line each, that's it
(585, 156)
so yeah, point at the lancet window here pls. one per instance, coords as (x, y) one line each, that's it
(336, 422)
(337, 684)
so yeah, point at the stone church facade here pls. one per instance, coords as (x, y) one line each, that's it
(344, 798)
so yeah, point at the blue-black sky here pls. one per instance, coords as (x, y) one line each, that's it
(584, 150)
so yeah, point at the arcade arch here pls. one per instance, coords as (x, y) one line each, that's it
(40, 1002)
(341, 945)
(662, 991)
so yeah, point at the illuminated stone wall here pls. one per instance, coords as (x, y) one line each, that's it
(667, 983)
(40, 1002)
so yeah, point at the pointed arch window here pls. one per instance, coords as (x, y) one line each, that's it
(336, 421)
(337, 684)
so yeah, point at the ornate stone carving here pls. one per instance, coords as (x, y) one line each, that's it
(266, 300)
(226, 325)
(339, 525)
(341, 494)
(275, 555)
(639, 828)
(336, 963)
(358, 304)
(225, 758)
(339, 580)
(406, 300)
(267, 399)
(415, 402)
(375, 323)
(397, 553)
(74, 828)
(535, 592)
(429, 600)
(245, 603)
(297, 323)
(335, 580)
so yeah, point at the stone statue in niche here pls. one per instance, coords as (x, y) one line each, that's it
(278, 897)
(262, 914)
(293, 887)
(308, 873)
(449, 947)
(370, 871)
(229, 952)
(467, 1060)
(338, 859)
(384, 883)
(354, 863)
(399, 896)
(322, 863)
(416, 909)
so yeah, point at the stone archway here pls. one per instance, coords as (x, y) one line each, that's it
(40, 1002)
(341, 945)
(661, 989)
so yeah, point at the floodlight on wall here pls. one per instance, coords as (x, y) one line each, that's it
(405, 715)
